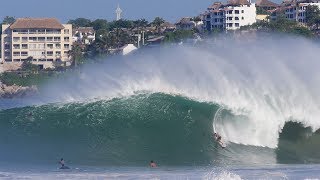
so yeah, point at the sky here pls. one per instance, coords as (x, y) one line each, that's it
(65, 10)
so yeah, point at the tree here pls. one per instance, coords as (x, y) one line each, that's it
(80, 22)
(140, 23)
(28, 66)
(196, 19)
(8, 20)
(313, 16)
(122, 23)
(260, 10)
(178, 36)
(76, 55)
(157, 23)
(99, 24)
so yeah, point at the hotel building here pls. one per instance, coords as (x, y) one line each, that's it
(44, 40)
(230, 16)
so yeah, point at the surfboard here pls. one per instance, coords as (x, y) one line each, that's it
(64, 167)
(216, 117)
(223, 145)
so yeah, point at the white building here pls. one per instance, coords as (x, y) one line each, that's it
(127, 49)
(290, 12)
(43, 40)
(84, 35)
(230, 16)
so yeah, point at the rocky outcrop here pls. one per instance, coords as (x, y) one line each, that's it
(15, 91)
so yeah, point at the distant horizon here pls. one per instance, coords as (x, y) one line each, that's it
(63, 10)
(101, 9)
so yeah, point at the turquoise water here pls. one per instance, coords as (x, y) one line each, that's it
(109, 120)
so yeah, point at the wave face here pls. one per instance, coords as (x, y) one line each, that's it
(260, 85)
(129, 131)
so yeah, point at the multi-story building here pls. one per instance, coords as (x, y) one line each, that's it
(299, 15)
(230, 16)
(291, 11)
(42, 40)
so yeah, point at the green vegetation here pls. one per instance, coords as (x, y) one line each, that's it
(281, 25)
(28, 75)
(178, 36)
(262, 11)
(313, 17)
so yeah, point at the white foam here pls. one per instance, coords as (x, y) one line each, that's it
(269, 81)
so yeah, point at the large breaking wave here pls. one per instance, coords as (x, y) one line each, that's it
(143, 105)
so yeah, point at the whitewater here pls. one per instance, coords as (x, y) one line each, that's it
(257, 93)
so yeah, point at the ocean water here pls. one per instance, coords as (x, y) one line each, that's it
(110, 119)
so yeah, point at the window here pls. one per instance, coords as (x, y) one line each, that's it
(50, 53)
(49, 38)
(16, 39)
(236, 18)
(66, 31)
(66, 39)
(57, 39)
(230, 11)
(24, 39)
(16, 60)
(230, 18)
(16, 46)
(41, 46)
(16, 54)
(242, 11)
(65, 53)
(35, 53)
(24, 53)
(58, 53)
(50, 60)
(41, 39)
(236, 24)
(66, 46)
(41, 31)
(32, 39)
(32, 31)
(242, 18)
(24, 46)
(236, 11)
(32, 46)
(58, 46)
(50, 46)
(230, 24)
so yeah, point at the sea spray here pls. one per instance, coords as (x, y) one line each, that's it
(267, 81)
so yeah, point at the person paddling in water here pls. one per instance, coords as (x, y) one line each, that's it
(61, 162)
(153, 164)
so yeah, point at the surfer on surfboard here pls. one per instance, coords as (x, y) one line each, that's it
(61, 162)
(217, 137)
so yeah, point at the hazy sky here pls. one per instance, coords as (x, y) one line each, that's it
(64, 10)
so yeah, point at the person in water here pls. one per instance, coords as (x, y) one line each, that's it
(153, 164)
(61, 162)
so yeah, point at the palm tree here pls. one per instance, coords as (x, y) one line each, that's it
(76, 55)
(157, 23)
